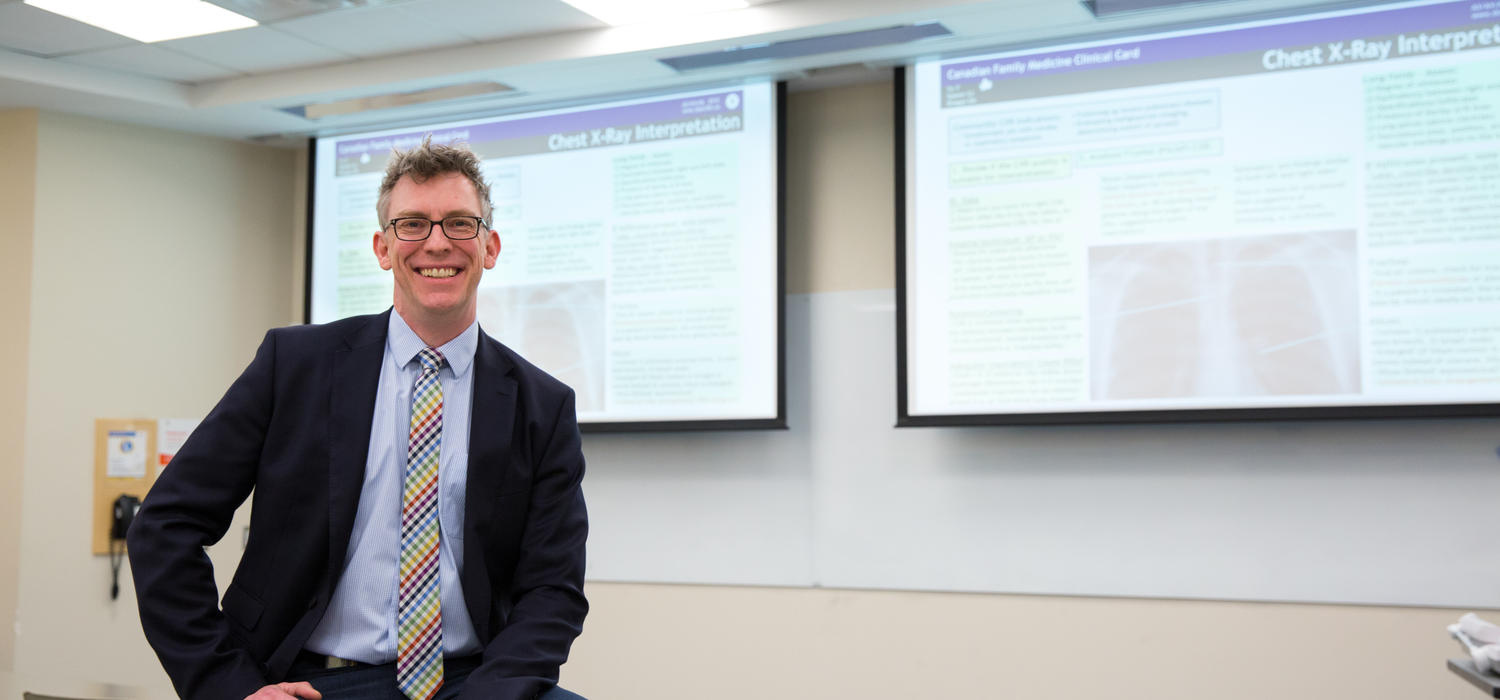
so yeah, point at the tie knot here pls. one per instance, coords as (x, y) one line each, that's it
(432, 360)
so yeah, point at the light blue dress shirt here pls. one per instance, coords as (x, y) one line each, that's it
(361, 620)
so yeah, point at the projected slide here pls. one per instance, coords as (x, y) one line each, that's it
(1281, 214)
(638, 259)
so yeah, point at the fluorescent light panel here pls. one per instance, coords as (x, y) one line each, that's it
(148, 20)
(621, 12)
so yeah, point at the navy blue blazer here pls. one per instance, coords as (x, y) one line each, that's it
(295, 428)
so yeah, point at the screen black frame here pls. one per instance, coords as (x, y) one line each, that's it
(778, 422)
(904, 419)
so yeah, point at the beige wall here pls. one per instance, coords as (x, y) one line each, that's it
(297, 252)
(645, 642)
(17, 201)
(840, 181)
(161, 258)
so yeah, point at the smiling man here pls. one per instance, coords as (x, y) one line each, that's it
(418, 528)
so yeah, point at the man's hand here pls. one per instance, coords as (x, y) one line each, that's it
(282, 691)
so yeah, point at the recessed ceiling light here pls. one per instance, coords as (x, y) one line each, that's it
(149, 20)
(620, 12)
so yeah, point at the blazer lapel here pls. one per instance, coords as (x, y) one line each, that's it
(356, 376)
(491, 422)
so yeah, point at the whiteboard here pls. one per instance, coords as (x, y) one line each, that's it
(1370, 512)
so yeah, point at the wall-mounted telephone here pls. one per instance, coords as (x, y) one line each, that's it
(124, 508)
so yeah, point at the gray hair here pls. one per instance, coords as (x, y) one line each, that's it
(427, 161)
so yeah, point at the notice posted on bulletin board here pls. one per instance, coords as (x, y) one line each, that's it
(126, 454)
(172, 433)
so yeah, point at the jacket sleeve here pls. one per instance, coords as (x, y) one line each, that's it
(188, 508)
(547, 590)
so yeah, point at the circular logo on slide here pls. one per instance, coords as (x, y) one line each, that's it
(732, 101)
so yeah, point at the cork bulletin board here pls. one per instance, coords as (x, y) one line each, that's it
(125, 462)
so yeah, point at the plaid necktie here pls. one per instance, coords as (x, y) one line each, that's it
(419, 623)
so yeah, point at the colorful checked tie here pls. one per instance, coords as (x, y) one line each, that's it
(419, 623)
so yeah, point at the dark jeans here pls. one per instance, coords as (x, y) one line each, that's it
(379, 682)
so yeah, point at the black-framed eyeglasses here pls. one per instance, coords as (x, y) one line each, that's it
(418, 228)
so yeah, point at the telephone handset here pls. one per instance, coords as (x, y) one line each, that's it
(124, 510)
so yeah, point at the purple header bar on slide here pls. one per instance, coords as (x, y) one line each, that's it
(1354, 26)
(569, 122)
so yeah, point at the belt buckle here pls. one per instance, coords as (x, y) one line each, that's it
(336, 662)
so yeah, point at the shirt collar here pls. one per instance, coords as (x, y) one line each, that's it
(404, 345)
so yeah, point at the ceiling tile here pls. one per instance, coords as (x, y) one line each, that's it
(256, 50)
(373, 31)
(486, 20)
(41, 33)
(153, 62)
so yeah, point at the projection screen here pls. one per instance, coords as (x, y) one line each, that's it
(1297, 217)
(640, 256)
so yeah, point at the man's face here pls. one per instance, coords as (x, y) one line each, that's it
(436, 278)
